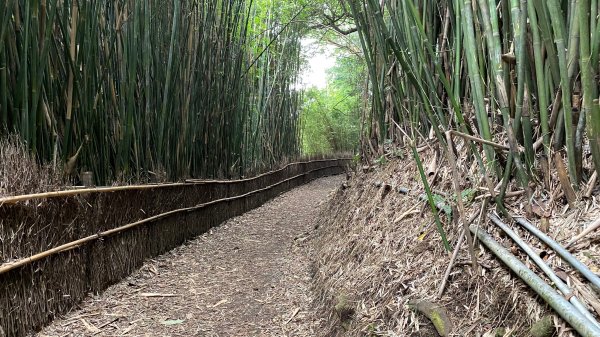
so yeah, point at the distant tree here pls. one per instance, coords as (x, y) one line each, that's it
(330, 117)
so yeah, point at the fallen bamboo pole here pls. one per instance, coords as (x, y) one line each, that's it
(479, 140)
(74, 244)
(564, 289)
(565, 309)
(82, 191)
(592, 227)
(562, 252)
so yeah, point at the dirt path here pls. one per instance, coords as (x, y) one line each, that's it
(249, 277)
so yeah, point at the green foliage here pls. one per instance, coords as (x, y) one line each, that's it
(381, 160)
(468, 195)
(520, 73)
(330, 117)
(441, 203)
(130, 88)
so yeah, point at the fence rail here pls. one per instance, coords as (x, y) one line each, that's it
(57, 247)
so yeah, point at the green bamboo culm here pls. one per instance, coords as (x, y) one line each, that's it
(430, 200)
(590, 106)
(138, 90)
(558, 25)
(519, 73)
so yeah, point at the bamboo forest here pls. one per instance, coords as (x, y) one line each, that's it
(300, 168)
(191, 88)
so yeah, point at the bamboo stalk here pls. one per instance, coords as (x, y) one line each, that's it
(430, 200)
(72, 55)
(559, 33)
(590, 108)
(543, 102)
(475, 80)
(7, 12)
(479, 140)
(459, 201)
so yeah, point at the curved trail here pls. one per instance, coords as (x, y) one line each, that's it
(249, 277)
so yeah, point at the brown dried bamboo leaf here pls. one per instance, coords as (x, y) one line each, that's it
(563, 177)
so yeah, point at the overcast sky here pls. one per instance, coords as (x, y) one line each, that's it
(319, 60)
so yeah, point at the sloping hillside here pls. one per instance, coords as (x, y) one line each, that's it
(378, 253)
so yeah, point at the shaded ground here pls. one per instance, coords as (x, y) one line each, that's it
(378, 251)
(249, 277)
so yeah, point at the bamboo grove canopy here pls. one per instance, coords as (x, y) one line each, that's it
(189, 87)
(522, 72)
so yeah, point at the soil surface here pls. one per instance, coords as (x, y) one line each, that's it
(249, 277)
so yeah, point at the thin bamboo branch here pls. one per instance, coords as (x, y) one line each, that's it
(479, 140)
(592, 227)
(459, 201)
(457, 249)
